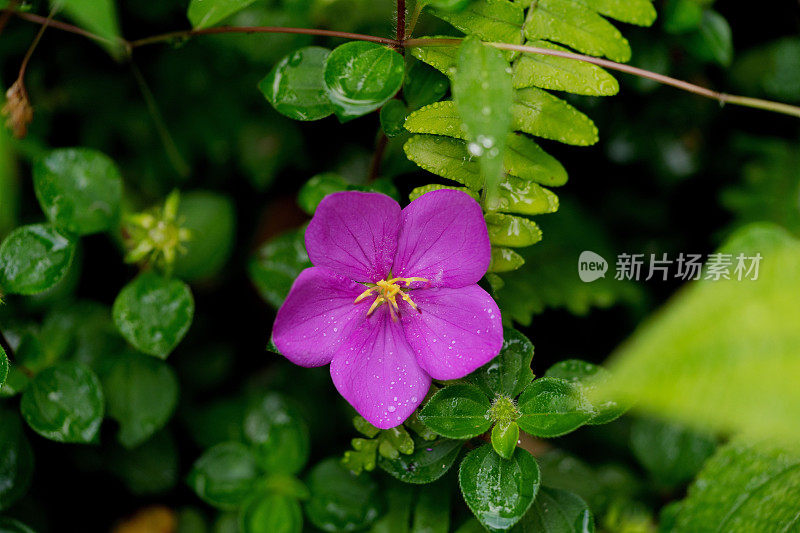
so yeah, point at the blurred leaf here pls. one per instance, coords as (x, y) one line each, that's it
(770, 69)
(482, 91)
(713, 41)
(682, 16)
(79, 189)
(151, 468)
(295, 86)
(397, 516)
(360, 77)
(588, 376)
(423, 85)
(552, 407)
(141, 394)
(432, 510)
(743, 488)
(211, 218)
(64, 403)
(491, 20)
(97, 16)
(457, 412)
(539, 113)
(278, 434)
(277, 264)
(34, 258)
(340, 500)
(510, 372)
(225, 475)
(672, 453)
(504, 438)
(498, 491)
(721, 355)
(207, 13)
(429, 462)
(393, 115)
(556, 511)
(271, 513)
(154, 313)
(9, 525)
(578, 27)
(16, 460)
(3, 366)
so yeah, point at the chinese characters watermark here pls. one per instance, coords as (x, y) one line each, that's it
(685, 267)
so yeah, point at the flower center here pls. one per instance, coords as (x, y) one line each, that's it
(386, 291)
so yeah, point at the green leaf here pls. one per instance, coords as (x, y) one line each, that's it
(279, 435)
(505, 260)
(97, 16)
(438, 118)
(225, 475)
(64, 403)
(295, 85)
(713, 41)
(491, 20)
(639, 12)
(207, 13)
(34, 258)
(515, 232)
(150, 468)
(553, 407)
(340, 500)
(397, 515)
(394, 441)
(141, 395)
(504, 438)
(419, 191)
(681, 16)
(589, 376)
(578, 27)
(276, 265)
(432, 511)
(445, 157)
(79, 189)
(498, 491)
(510, 372)
(526, 197)
(743, 488)
(556, 511)
(154, 313)
(482, 92)
(211, 219)
(672, 453)
(16, 460)
(423, 85)
(457, 412)
(3, 366)
(541, 114)
(441, 57)
(271, 513)
(360, 77)
(429, 462)
(722, 354)
(562, 74)
(16, 382)
(393, 115)
(362, 457)
(321, 185)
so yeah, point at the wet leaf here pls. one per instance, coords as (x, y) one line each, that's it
(498, 491)
(271, 513)
(515, 232)
(441, 57)
(278, 434)
(295, 85)
(491, 20)
(504, 438)
(64, 403)
(553, 407)
(34, 258)
(639, 12)
(445, 157)
(429, 462)
(360, 77)
(225, 475)
(340, 500)
(154, 313)
(526, 160)
(510, 372)
(526, 197)
(207, 13)
(457, 412)
(589, 376)
(419, 191)
(505, 260)
(556, 511)
(79, 189)
(541, 114)
(424, 85)
(16, 460)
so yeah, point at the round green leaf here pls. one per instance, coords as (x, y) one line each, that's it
(64, 403)
(275, 266)
(154, 313)
(34, 258)
(295, 88)
(212, 220)
(279, 435)
(79, 189)
(589, 376)
(271, 513)
(504, 438)
(428, 462)
(510, 372)
(340, 500)
(141, 394)
(457, 412)
(498, 491)
(16, 460)
(225, 475)
(9, 525)
(556, 511)
(3, 366)
(552, 407)
(360, 77)
(393, 116)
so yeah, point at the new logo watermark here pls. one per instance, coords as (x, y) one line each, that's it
(591, 266)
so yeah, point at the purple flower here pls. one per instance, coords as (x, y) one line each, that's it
(392, 300)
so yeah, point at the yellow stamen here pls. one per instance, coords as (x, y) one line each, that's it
(364, 294)
(388, 291)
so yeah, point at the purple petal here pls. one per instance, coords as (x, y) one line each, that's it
(443, 238)
(355, 234)
(455, 332)
(317, 316)
(377, 372)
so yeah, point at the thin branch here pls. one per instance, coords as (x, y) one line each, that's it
(401, 20)
(722, 98)
(57, 24)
